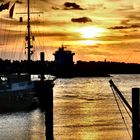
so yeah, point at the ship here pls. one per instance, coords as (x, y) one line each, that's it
(64, 66)
(18, 92)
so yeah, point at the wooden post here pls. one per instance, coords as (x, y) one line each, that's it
(42, 58)
(46, 99)
(135, 113)
(49, 116)
(45, 94)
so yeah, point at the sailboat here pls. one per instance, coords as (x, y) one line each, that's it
(17, 91)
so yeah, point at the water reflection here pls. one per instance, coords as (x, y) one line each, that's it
(22, 126)
(84, 109)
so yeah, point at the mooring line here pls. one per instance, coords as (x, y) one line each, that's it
(121, 113)
(125, 107)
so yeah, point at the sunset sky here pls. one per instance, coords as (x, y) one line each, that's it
(94, 29)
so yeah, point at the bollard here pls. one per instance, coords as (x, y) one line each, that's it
(135, 113)
(46, 99)
(49, 116)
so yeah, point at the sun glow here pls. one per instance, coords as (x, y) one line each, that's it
(91, 32)
(88, 42)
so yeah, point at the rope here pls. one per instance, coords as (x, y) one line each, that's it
(121, 113)
(124, 107)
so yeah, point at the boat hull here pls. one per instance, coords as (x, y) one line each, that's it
(19, 100)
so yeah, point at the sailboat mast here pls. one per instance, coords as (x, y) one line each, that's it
(28, 26)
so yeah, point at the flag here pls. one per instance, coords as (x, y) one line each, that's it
(4, 6)
(11, 11)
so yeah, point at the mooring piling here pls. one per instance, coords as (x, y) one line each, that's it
(46, 99)
(135, 109)
(49, 117)
(135, 113)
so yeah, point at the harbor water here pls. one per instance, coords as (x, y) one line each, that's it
(84, 109)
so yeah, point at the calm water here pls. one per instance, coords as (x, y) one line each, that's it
(84, 109)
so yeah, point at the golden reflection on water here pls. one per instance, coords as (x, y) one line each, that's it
(85, 111)
(37, 128)
(22, 126)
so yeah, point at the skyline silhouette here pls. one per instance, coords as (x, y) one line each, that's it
(94, 30)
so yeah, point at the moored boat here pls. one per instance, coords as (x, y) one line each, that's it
(17, 93)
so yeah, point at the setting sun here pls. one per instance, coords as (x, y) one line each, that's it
(90, 32)
(111, 24)
(88, 42)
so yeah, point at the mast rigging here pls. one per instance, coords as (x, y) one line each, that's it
(28, 26)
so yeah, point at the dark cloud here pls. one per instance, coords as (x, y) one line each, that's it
(63, 36)
(35, 22)
(136, 50)
(55, 8)
(131, 20)
(134, 17)
(134, 26)
(52, 34)
(119, 27)
(11, 34)
(67, 6)
(19, 2)
(72, 6)
(124, 37)
(81, 20)
(125, 27)
(1, 45)
(125, 21)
